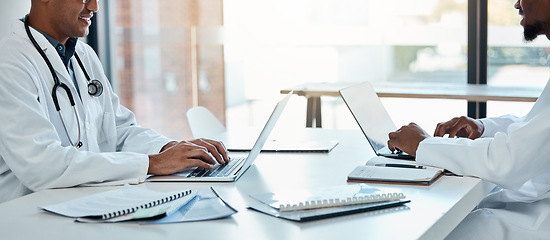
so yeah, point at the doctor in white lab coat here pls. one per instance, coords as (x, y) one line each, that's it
(512, 152)
(36, 152)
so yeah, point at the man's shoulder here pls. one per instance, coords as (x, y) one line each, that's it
(13, 46)
(13, 37)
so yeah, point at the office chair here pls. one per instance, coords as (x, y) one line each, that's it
(203, 123)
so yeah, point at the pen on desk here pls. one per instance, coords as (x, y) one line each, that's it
(400, 165)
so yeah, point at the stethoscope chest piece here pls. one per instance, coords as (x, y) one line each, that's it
(95, 88)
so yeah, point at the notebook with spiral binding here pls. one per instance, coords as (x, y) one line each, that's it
(132, 202)
(313, 204)
(326, 197)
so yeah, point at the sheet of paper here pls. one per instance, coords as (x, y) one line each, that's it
(208, 206)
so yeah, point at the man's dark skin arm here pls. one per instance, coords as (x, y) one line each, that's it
(176, 156)
(460, 127)
(408, 137)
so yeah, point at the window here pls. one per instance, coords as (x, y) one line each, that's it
(171, 55)
(511, 61)
(271, 45)
(167, 60)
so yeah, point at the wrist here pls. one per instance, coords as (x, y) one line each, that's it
(481, 127)
(168, 145)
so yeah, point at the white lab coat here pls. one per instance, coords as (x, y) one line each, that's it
(35, 152)
(513, 153)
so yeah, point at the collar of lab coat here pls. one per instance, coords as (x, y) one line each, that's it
(18, 28)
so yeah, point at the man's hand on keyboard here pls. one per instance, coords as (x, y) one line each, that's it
(202, 153)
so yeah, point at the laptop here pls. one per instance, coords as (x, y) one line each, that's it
(372, 117)
(239, 163)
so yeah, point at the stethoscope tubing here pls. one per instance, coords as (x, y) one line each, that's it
(95, 88)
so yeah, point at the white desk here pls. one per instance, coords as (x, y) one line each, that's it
(432, 213)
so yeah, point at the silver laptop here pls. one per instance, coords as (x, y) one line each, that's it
(237, 166)
(372, 117)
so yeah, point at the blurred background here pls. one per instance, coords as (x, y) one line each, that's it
(234, 56)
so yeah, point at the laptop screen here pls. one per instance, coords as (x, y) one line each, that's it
(270, 124)
(370, 114)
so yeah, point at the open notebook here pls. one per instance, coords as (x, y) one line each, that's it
(386, 170)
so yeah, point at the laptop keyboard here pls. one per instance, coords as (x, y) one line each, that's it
(219, 170)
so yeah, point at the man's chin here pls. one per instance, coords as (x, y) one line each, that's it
(532, 31)
(82, 34)
(529, 38)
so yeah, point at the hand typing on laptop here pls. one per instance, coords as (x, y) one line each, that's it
(176, 156)
(460, 127)
(212, 161)
(407, 138)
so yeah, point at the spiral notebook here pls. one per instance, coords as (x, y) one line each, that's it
(129, 201)
(312, 204)
(326, 197)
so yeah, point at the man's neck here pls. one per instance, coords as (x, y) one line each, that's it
(42, 25)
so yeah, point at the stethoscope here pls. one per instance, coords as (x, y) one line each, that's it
(95, 88)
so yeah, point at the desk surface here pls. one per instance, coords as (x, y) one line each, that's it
(432, 213)
(481, 93)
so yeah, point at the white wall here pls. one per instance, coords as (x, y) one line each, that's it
(9, 10)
